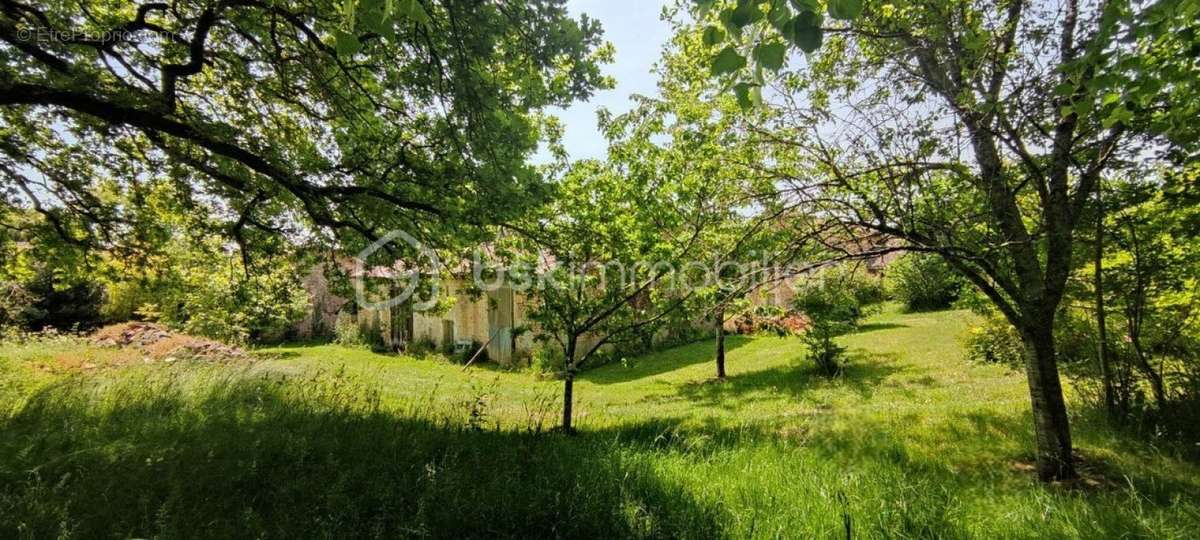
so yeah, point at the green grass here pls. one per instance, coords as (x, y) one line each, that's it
(912, 441)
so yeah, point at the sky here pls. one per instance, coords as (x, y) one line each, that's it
(637, 32)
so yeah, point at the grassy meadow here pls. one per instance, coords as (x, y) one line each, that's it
(912, 441)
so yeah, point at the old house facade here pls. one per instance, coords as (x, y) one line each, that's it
(494, 321)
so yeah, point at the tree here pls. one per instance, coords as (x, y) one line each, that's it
(419, 119)
(1103, 357)
(698, 124)
(604, 247)
(832, 309)
(45, 281)
(1151, 271)
(975, 130)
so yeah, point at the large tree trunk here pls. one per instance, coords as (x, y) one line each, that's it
(720, 344)
(1051, 427)
(568, 386)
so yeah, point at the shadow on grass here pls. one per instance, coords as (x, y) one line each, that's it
(872, 327)
(181, 454)
(862, 373)
(663, 361)
(171, 456)
(276, 355)
(992, 451)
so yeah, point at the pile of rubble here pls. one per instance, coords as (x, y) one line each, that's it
(159, 343)
(133, 334)
(779, 324)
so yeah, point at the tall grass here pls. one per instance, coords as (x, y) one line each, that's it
(214, 452)
(209, 454)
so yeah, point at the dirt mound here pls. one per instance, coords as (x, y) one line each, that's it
(159, 343)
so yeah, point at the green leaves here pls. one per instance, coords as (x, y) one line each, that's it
(346, 43)
(727, 61)
(779, 16)
(375, 16)
(1119, 115)
(412, 10)
(745, 14)
(748, 95)
(770, 55)
(713, 35)
(806, 5)
(803, 30)
(846, 10)
(806, 31)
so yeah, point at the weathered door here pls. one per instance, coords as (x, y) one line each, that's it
(447, 342)
(500, 322)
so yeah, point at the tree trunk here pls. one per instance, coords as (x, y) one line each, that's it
(1110, 403)
(1051, 427)
(1154, 377)
(720, 344)
(568, 386)
(1135, 311)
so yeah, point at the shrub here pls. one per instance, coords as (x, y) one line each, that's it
(123, 300)
(204, 300)
(923, 281)
(547, 359)
(362, 330)
(676, 332)
(1075, 338)
(421, 347)
(832, 309)
(347, 332)
(865, 289)
(464, 356)
(47, 302)
(15, 305)
(994, 341)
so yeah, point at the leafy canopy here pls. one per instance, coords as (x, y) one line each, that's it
(285, 116)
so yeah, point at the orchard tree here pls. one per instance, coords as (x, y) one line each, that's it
(697, 127)
(605, 248)
(630, 239)
(975, 130)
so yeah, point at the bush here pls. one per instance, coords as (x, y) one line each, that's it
(124, 299)
(994, 341)
(676, 332)
(1075, 339)
(204, 300)
(865, 289)
(421, 347)
(832, 309)
(547, 359)
(923, 281)
(347, 332)
(46, 302)
(15, 303)
(462, 357)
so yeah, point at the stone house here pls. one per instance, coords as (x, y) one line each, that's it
(494, 321)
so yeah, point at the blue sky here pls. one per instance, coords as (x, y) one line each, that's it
(635, 29)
